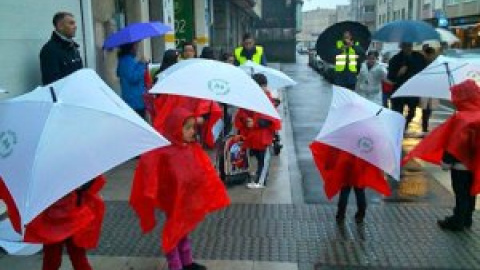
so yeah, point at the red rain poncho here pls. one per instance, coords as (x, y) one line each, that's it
(179, 180)
(165, 104)
(74, 215)
(340, 169)
(257, 138)
(459, 135)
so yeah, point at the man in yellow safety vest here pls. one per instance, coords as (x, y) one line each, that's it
(249, 51)
(347, 61)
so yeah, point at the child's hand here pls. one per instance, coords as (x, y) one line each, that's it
(250, 123)
(200, 120)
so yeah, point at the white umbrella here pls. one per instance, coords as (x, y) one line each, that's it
(214, 80)
(12, 242)
(436, 79)
(447, 36)
(364, 129)
(58, 137)
(276, 79)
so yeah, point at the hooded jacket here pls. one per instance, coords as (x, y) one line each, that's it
(459, 136)
(340, 169)
(77, 215)
(164, 105)
(260, 136)
(178, 179)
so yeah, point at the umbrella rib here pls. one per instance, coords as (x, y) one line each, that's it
(34, 164)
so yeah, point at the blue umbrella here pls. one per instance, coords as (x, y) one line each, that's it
(135, 32)
(406, 31)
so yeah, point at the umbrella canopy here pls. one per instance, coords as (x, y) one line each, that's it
(214, 80)
(3, 91)
(71, 131)
(276, 79)
(406, 31)
(436, 79)
(135, 32)
(365, 130)
(326, 45)
(447, 36)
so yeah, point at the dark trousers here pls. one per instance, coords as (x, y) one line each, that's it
(464, 202)
(426, 113)
(52, 256)
(260, 156)
(360, 197)
(385, 98)
(399, 103)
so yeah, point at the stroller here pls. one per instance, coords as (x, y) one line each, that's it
(233, 161)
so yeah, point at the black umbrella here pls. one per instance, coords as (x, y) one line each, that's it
(327, 41)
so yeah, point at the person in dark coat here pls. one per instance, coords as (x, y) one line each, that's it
(403, 66)
(60, 57)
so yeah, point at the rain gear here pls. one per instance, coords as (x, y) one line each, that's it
(78, 215)
(261, 135)
(459, 136)
(165, 104)
(178, 179)
(341, 169)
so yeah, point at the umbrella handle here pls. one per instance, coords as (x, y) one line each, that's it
(449, 74)
(54, 96)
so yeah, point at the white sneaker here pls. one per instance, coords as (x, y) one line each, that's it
(258, 186)
(251, 185)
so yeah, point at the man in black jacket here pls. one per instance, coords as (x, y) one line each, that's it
(60, 57)
(402, 67)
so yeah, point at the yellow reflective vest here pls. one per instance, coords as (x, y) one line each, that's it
(257, 57)
(347, 54)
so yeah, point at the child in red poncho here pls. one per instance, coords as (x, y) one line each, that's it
(74, 221)
(456, 146)
(341, 171)
(258, 131)
(181, 181)
(207, 114)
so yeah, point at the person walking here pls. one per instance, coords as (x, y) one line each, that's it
(428, 104)
(249, 51)
(455, 146)
(348, 54)
(370, 78)
(181, 181)
(60, 57)
(131, 73)
(403, 66)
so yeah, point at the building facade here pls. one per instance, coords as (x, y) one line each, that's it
(313, 23)
(389, 10)
(277, 29)
(343, 13)
(464, 21)
(364, 11)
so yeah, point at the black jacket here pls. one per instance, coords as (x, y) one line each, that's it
(59, 58)
(415, 63)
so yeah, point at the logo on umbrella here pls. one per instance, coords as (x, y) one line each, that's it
(365, 145)
(8, 139)
(474, 75)
(219, 87)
